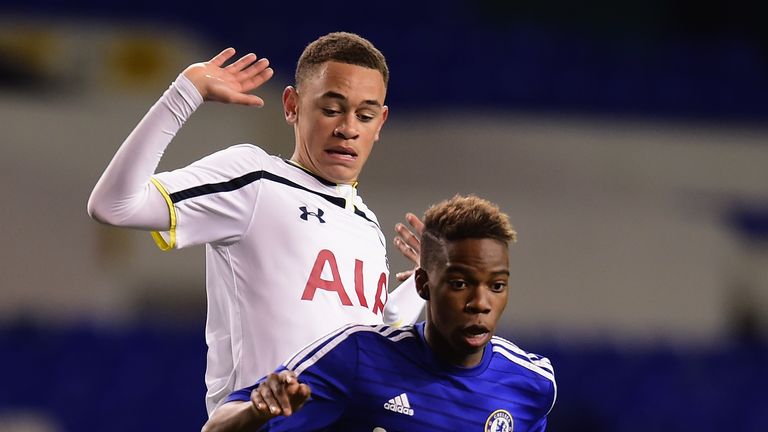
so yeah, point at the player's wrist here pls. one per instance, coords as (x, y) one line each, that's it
(256, 417)
(189, 91)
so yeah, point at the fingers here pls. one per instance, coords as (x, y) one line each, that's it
(250, 78)
(264, 398)
(260, 404)
(242, 62)
(302, 395)
(223, 56)
(223, 92)
(246, 99)
(246, 83)
(403, 275)
(232, 83)
(254, 67)
(415, 222)
(406, 250)
(279, 394)
(256, 75)
(408, 238)
(280, 388)
(407, 243)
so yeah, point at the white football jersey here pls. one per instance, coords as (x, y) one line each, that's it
(290, 257)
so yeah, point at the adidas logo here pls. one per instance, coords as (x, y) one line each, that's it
(399, 404)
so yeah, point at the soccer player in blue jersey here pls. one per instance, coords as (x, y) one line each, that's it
(448, 373)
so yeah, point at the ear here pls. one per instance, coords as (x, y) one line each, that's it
(290, 104)
(422, 283)
(384, 115)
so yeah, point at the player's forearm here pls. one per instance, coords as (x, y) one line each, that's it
(234, 417)
(124, 195)
(404, 305)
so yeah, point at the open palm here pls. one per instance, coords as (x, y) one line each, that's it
(231, 83)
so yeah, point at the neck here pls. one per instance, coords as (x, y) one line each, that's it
(296, 160)
(444, 351)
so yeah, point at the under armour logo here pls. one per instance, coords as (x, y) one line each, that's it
(306, 213)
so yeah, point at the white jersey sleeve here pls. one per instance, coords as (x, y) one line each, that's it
(124, 196)
(212, 200)
(404, 306)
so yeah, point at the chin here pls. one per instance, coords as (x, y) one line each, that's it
(340, 175)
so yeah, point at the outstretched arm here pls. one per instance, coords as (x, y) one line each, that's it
(124, 195)
(279, 394)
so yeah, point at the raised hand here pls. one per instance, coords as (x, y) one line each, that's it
(279, 394)
(408, 242)
(231, 83)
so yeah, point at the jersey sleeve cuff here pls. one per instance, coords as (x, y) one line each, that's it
(188, 91)
(243, 395)
(160, 240)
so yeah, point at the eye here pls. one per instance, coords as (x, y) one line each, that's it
(330, 112)
(457, 284)
(365, 118)
(499, 286)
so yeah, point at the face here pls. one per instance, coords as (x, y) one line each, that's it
(337, 114)
(467, 293)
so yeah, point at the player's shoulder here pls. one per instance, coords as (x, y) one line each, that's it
(385, 341)
(238, 158)
(512, 356)
(249, 151)
(252, 160)
(363, 209)
(389, 334)
(375, 333)
(346, 338)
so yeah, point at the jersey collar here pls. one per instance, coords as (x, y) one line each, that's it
(320, 179)
(439, 364)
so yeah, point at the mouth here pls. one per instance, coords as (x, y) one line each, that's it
(341, 152)
(476, 335)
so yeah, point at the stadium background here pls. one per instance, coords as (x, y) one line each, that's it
(627, 141)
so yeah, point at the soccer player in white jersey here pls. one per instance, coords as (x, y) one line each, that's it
(448, 373)
(292, 252)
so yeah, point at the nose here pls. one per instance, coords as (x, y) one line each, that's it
(479, 301)
(346, 129)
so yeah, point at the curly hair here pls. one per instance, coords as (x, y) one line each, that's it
(459, 218)
(340, 47)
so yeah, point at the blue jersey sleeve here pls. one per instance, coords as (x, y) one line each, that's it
(329, 367)
(242, 394)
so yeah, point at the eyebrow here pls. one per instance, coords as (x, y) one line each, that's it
(339, 96)
(461, 268)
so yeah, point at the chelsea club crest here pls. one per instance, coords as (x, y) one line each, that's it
(499, 421)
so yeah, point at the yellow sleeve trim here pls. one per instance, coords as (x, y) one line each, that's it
(159, 240)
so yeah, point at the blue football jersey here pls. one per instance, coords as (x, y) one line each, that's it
(387, 379)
